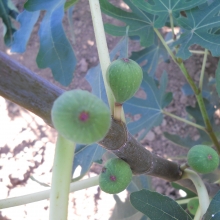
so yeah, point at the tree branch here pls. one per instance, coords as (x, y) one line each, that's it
(25, 88)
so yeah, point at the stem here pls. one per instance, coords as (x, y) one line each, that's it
(184, 201)
(184, 120)
(165, 45)
(172, 25)
(127, 29)
(101, 46)
(199, 52)
(61, 178)
(117, 111)
(35, 197)
(198, 214)
(203, 69)
(200, 187)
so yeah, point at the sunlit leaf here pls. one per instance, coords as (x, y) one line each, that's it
(163, 8)
(140, 23)
(27, 21)
(196, 26)
(55, 50)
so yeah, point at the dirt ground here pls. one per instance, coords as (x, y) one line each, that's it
(27, 143)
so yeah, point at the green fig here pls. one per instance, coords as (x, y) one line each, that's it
(124, 77)
(80, 117)
(115, 176)
(193, 205)
(203, 159)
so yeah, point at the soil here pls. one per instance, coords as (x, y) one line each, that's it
(27, 143)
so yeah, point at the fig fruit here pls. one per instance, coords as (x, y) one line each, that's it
(124, 77)
(115, 176)
(193, 205)
(80, 117)
(202, 159)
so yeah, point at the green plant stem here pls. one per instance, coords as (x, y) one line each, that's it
(198, 214)
(199, 52)
(102, 50)
(196, 91)
(172, 25)
(184, 120)
(200, 187)
(184, 201)
(101, 47)
(35, 197)
(203, 69)
(61, 178)
(127, 29)
(165, 45)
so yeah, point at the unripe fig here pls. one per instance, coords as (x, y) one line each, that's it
(203, 159)
(124, 77)
(193, 205)
(80, 116)
(115, 176)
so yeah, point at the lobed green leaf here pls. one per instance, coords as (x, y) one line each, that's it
(196, 30)
(140, 23)
(55, 51)
(27, 21)
(149, 109)
(165, 8)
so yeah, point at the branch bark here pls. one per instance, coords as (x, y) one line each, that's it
(23, 87)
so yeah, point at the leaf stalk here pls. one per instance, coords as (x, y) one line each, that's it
(203, 69)
(101, 47)
(35, 197)
(184, 120)
(61, 178)
(172, 25)
(200, 187)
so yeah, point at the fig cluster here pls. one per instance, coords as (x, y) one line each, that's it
(115, 176)
(203, 159)
(124, 77)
